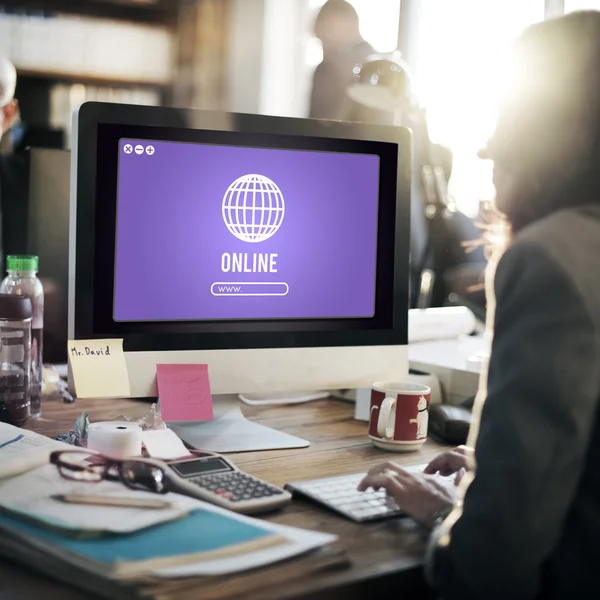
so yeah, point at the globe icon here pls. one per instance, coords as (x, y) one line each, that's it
(253, 208)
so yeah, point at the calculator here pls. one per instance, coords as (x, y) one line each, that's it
(213, 478)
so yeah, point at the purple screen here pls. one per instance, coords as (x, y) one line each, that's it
(208, 232)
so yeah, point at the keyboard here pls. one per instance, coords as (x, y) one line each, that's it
(340, 494)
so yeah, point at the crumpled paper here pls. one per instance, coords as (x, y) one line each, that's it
(77, 436)
(54, 386)
(151, 420)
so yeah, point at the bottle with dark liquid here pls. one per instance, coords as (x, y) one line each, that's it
(15, 358)
(22, 281)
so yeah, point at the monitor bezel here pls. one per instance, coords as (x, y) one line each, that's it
(86, 121)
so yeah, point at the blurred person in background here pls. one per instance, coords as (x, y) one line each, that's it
(13, 170)
(9, 107)
(440, 267)
(524, 521)
(337, 27)
(442, 272)
(14, 185)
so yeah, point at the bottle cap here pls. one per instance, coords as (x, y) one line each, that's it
(21, 263)
(15, 308)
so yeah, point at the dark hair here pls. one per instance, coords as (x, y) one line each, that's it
(548, 131)
(337, 9)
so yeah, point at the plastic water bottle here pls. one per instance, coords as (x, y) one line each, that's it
(15, 358)
(22, 281)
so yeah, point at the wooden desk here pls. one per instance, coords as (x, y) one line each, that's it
(366, 559)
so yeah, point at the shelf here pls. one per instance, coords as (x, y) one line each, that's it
(87, 79)
(163, 12)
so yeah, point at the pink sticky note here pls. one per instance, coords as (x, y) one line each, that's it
(184, 393)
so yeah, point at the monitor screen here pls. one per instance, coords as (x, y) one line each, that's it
(275, 250)
(220, 232)
(259, 232)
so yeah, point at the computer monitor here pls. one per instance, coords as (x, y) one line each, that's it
(48, 238)
(274, 250)
(35, 220)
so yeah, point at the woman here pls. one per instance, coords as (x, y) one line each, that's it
(526, 521)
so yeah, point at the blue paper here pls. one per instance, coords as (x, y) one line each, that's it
(200, 531)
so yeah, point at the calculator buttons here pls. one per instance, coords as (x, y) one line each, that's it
(236, 487)
(231, 489)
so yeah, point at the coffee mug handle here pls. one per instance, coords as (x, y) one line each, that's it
(385, 429)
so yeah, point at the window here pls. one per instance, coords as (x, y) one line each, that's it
(460, 49)
(573, 5)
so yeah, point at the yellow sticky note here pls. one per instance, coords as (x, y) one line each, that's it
(98, 368)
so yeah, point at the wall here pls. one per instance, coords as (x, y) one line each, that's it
(267, 70)
(273, 55)
(284, 89)
(246, 30)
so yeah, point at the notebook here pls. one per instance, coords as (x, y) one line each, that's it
(202, 535)
(22, 450)
(28, 497)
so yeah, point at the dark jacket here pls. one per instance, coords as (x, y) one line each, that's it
(14, 170)
(530, 525)
(331, 79)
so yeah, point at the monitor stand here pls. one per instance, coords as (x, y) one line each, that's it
(231, 431)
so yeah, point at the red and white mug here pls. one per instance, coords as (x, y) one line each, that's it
(399, 416)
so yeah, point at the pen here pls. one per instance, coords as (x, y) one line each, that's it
(110, 501)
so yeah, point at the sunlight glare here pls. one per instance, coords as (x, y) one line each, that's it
(573, 5)
(462, 47)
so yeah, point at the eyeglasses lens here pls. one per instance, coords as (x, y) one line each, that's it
(143, 476)
(74, 465)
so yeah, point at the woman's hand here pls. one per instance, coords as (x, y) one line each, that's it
(421, 496)
(448, 463)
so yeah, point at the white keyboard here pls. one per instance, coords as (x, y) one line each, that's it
(340, 494)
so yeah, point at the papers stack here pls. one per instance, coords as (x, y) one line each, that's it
(28, 497)
(22, 450)
(112, 550)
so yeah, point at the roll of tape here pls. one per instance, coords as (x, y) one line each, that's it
(115, 439)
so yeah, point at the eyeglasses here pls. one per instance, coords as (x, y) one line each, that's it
(88, 466)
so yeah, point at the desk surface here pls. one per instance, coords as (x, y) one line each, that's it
(380, 554)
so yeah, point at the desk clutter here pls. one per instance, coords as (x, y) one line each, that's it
(102, 523)
(200, 474)
(339, 446)
(124, 437)
(112, 505)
